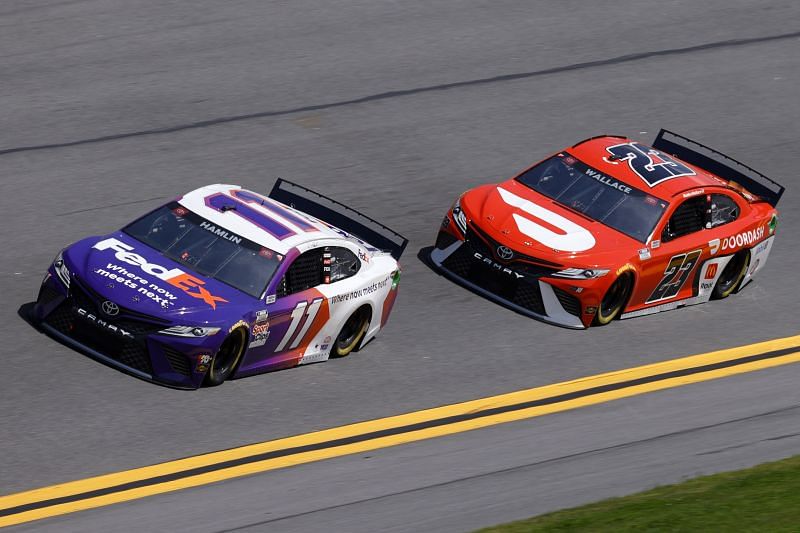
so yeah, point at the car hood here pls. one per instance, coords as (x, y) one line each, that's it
(138, 278)
(530, 223)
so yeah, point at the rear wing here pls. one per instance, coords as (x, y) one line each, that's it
(339, 215)
(720, 164)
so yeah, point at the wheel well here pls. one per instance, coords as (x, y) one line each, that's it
(368, 308)
(245, 342)
(747, 255)
(631, 273)
(244, 327)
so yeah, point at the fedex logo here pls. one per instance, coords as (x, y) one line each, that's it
(175, 276)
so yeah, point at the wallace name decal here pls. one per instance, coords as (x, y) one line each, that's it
(190, 285)
(605, 180)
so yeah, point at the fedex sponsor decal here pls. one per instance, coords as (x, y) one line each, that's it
(745, 238)
(187, 283)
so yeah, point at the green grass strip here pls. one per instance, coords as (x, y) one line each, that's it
(762, 498)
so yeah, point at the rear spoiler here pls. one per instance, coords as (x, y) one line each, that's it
(339, 215)
(720, 164)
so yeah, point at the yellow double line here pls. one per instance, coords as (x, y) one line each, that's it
(217, 466)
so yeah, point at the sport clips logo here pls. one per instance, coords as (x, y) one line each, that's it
(175, 276)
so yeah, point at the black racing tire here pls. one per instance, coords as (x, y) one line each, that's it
(227, 358)
(731, 276)
(352, 332)
(614, 300)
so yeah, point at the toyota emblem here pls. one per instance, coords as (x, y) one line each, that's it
(110, 308)
(505, 253)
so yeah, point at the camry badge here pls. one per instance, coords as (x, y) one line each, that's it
(505, 253)
(110, 308)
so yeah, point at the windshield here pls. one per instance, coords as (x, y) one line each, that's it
(191, 240)
(600, 197)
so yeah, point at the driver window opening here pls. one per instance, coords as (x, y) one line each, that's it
(343, 264)
(723, 210)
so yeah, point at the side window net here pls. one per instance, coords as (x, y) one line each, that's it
(305, 272)
(689, 217)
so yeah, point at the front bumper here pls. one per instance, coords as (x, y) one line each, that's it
(144, 354)
(528, 296)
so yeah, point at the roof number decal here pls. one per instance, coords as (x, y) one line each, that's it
(652, 165)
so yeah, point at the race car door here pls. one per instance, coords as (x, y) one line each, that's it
(293, 319)
(675, 253)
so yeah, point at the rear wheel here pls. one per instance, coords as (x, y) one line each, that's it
(731, 276)
(227, 357)
(614, 300)
(352, 332)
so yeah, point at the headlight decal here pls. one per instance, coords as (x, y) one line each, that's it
(190, 331)
(581, 273)
(62, 271)
(459, 217)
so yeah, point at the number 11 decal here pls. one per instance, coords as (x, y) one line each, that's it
(675, 275)
(301, 309)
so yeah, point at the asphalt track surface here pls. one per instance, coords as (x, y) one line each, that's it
(108, 108)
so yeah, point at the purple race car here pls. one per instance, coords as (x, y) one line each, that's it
(224, 282)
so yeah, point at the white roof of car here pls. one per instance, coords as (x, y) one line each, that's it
(264, 221)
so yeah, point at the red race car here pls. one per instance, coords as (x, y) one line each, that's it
(612, 228)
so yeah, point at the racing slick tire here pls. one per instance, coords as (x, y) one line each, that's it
(227, 358)
(731, 276)
(352, 332)
(614, 300)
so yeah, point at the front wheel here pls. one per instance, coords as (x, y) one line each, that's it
(614, 300)
(352, 332)
(226, 358)
(731, 276)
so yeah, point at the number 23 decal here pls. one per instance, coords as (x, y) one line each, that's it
(675, 276)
